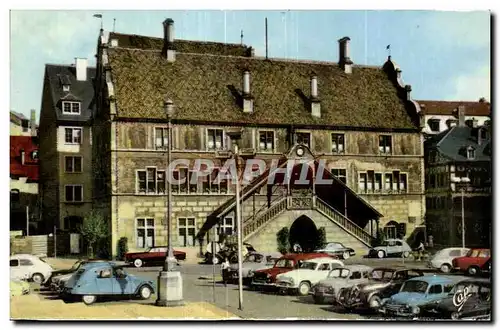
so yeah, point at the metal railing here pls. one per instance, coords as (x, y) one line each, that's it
(277, 208)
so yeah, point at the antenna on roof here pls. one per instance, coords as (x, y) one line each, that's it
(266, 40)
(114, 22)
(241, 37)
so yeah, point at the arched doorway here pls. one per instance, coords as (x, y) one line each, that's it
(304, 233)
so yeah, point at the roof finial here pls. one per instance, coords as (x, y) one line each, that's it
(388, 47)
(241, 37)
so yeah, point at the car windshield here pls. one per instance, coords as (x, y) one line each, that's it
(380, 274)
(284, 263)
(415, 286)
(339, 272)
(76, 265)
(254, 258)
(308, 265)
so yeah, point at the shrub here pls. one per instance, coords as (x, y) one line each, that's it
(282, 238)
(122, 248)
(321, 239)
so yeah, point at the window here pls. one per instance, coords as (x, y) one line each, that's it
(370, 181)
(435, 289)
(186, 229)
(388, 181)
(434, 125)
(215, 139)
(385, 144)
(161, 138)
(73, 164)
(402, 179)
(451, 123)
(266, 141)
(212, 185)
(73, 135)
(325, 267)
(469, 122)
(355, 275)
(25, 262)
(337, 143)
(145, 235)
(340, 173)
(378, 182)
(226, 227)
(105, 273)
(471, 153)
(150, 181)
(455, 253)
(484, 254)
(303, 138)
(14, 263)
(362, 182)
(390, 231)
(72, 108)
(73, 193)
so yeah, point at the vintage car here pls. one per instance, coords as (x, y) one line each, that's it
(19, 288)
(96, 280)
(390, 248)
(309, 273)
(473, 261)
(470, 298)
(58, 282)
(337, 279)
(266, 278)
(29, 267)
(152, 256)
(337, 249)
(417, 294)
(443, 259)
(383, 283)
(252, 262)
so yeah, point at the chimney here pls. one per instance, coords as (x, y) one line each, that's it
(398, 74)
(461, 116)
(408, 92)
(81, 69)
(33, 122)
(247, 97)
(344, 60)
(168, 40)
(315, 104)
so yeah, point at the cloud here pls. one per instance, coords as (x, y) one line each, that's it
(472, 86)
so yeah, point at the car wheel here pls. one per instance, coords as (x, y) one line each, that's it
(380, 254)
(319, 300)
(215, 260)
(445, 268)
(406, 254)
(345, 255)
(37, 278)
(282, 291)
(472, 270)
(89, 299)
(145, 292)
(455, 316)
(374, 301)
(304, 288)
(138, 263)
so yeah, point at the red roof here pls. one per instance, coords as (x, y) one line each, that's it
(29, 145)
(448, 108)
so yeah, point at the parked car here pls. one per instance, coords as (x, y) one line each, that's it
(153, 255)
(337, 249)
(443, 259)
(29, 267)
(60, 272)
(19, 288)
(96, 280)
(58, 282)
(390, 248)
(473, 261)
(252, 262)
(266, 278)
(337, 279)
(309, 273)
(417, 294)
(470, 298)
(383, 283)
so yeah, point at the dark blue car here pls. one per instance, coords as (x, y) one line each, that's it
(105, 280)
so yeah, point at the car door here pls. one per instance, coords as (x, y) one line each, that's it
(391, 247)
(434, 293)
(15, 270)
(27, 267)
(322, 271)
(104, 281)
(121, 283)
(355, 278)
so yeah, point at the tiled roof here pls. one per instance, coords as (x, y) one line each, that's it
(30, 167)
(448, 108)
(182, 46)
(79, 90)
(207, 87)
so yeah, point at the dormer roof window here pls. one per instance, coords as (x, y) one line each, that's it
(65, 82)
(71, 108)
(471, 152)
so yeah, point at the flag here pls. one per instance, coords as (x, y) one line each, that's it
(98, 15)
(388, 47)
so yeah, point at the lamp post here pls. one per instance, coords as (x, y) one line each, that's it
(169, 280)
(463, 180)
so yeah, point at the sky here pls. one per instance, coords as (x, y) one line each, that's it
(444, 55)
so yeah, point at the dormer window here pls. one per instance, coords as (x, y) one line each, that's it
(71, 108)
(451, 123)
(469, 122)
(434, 125)
(65, 88)
(471, 153)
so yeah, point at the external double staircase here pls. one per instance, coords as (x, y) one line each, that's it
(253, 224)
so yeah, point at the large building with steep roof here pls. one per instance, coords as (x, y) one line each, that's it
(359, 120)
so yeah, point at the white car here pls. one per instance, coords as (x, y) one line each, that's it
(443, 259)
(308, 274)
(29, 267)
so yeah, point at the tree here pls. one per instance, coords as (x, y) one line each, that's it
(94, 230)
(282, 238)
(122, 248)
(321, 239)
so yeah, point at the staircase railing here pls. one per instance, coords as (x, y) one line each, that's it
(275, 209)
(342, 221)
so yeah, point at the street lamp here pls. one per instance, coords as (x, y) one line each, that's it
(169, 280)
(463, 180)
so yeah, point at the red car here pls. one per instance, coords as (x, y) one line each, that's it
(473, 262)
(154, 255)
(288, 262)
